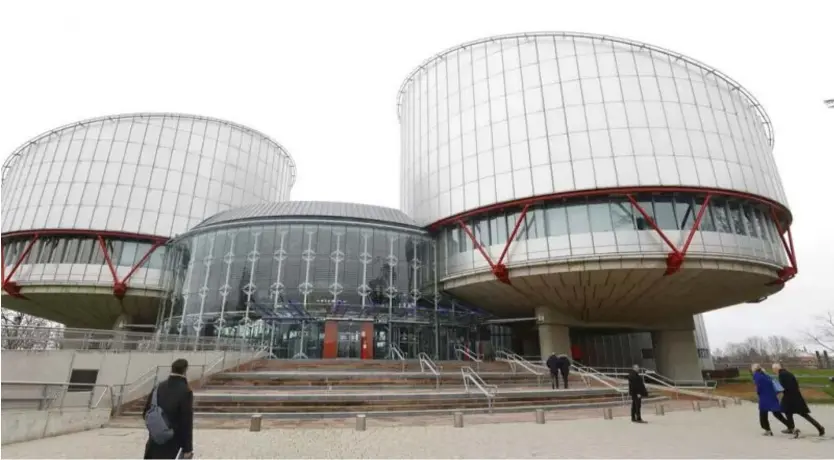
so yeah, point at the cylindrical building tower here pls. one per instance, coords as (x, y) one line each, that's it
(87, 208)
(575, 175)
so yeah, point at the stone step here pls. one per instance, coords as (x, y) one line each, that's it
(365, 364)
(388, 406)
(132, 419)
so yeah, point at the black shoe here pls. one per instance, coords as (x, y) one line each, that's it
(795, 434)
(767, 433)
(822, 432)
(787, 431)
(641, 421)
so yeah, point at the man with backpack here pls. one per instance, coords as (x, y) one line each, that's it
(169, 416)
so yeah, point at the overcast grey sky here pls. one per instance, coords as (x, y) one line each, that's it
(322, 78)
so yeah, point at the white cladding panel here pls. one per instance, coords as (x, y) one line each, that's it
(153, 174)
(517, 117)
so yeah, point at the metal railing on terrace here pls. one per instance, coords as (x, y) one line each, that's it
(29, 338)
(55, 395)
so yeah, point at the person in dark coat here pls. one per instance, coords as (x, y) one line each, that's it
(553, 366)
(176, 400)
(768, 401)
(793, 402)
(637, 390)
(564, 369)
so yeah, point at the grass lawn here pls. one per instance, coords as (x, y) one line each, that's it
(814, 383)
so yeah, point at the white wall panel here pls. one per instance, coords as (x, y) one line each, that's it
(485, 123)
(154, 174)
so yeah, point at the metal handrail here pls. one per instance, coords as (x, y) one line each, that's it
(63, 387)
(395, 353)
(514, 361)
(461, 350)
(427, 363)
(211, 367)
(40, 338)
(488, 390)
(599, 377)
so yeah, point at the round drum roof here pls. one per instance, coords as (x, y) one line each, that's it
(310, 209)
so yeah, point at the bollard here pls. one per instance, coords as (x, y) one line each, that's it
(540, 416)
(255, 422)
(458, 418)
(696, 406)
(659, 409)
(722, 403)
(360, 422)
(607, 414)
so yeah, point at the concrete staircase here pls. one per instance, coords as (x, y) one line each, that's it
(339, 388)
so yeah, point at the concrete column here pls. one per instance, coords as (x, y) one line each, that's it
(553, 335)
(676, 354)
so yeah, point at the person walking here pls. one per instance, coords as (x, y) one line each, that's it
(793, 402)
(169, 416)
(637, 390)
(553, 365)
(768, 401)
(564, 369)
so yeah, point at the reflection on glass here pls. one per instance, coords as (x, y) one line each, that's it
(600, 217)
(557, 221)
(622, 214)
(578, 218)
(750, 221)
(664, 212)
(737, 218)
(684, 212)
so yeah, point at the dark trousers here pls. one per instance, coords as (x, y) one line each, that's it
(564, 373)
(636, 407)
(554, 378)
(765, 423)
(811, 420)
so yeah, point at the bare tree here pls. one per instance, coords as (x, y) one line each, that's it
(781, 347)
(26, 332)
(759, 349)
(823, 333)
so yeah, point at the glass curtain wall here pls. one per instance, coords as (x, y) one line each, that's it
(281, 282)
(609, 224)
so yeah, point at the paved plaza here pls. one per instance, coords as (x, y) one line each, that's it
(732, 432)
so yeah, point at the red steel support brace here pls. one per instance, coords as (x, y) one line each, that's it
(786, 273)
(675, 259)
(499, 268)
(12, 288)
(120, 286)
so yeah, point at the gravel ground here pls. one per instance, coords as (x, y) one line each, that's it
(713, 433)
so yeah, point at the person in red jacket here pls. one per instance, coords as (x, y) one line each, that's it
(576, 353)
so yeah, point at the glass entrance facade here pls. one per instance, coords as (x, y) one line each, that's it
(320, 280)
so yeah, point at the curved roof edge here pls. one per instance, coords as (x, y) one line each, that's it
(16, 153)
(310, 210)
(757, 106)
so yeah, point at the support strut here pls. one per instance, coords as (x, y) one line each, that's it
(675, 259)
(499, 268)
(12, 288)
(787, 272)
(120, 285)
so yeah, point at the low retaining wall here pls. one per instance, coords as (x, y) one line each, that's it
(27, 425)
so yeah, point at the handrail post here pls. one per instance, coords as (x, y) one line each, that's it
(45, 394)
(92, 396)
